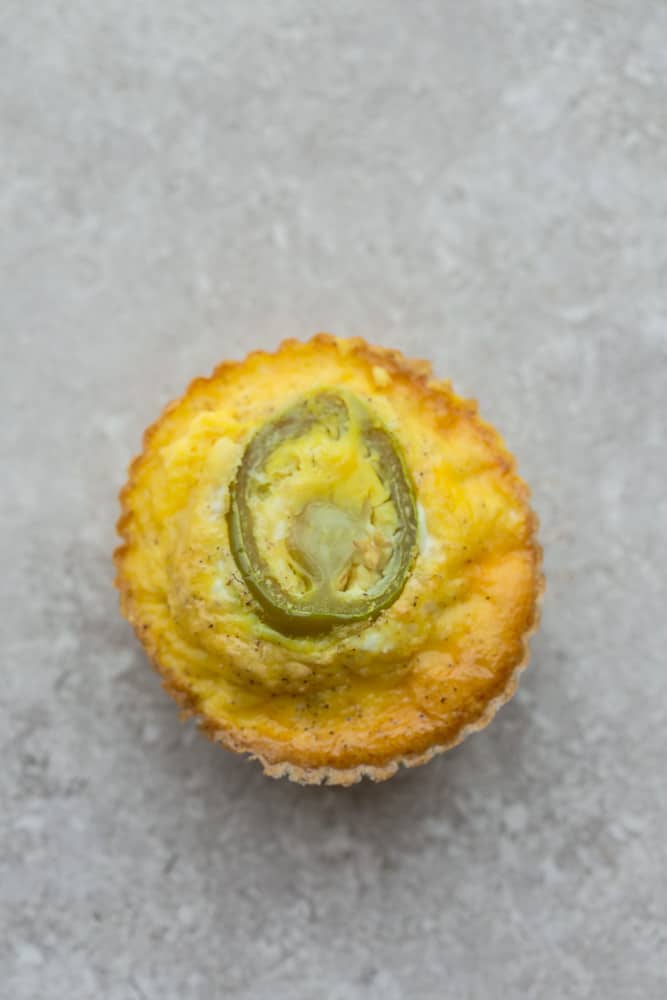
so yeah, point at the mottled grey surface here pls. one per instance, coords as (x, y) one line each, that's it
(479, 182)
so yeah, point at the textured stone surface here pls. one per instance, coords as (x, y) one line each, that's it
(479, 182)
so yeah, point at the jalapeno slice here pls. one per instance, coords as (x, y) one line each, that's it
(323, 519)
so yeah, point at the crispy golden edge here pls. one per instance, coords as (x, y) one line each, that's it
(271, 753)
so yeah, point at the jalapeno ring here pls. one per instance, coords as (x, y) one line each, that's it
(341, 567)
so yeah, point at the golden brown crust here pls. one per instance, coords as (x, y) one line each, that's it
(271, 753)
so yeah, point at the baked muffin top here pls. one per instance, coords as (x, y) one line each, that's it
(330, 558)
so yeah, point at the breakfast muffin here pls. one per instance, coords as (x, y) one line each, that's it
(330, 559)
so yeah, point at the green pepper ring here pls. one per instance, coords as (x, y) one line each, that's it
(321, 611)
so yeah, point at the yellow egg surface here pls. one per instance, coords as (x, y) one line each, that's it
(362, 695)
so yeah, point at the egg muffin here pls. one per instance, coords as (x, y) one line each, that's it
(330, 559)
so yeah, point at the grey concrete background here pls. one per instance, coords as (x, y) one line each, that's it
(482, 183)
